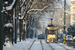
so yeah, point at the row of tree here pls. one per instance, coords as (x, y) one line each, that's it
(8, 20)
(15, 19)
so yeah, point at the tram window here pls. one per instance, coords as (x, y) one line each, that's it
(52, 32)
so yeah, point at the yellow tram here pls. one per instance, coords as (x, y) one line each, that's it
(51, 33)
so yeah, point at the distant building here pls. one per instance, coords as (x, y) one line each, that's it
(72, 11)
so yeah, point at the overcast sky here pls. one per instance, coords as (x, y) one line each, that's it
(68, 2)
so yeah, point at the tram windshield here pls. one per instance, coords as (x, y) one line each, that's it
(52, 31)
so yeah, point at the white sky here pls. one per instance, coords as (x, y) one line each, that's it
(68, 2)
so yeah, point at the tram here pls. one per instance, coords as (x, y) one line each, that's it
(51, 33)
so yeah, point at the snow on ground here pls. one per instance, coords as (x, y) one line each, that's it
(67, 47)
(56, 46)
(24, 45)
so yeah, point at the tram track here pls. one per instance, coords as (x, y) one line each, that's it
(64, 47)
(31, 45)
(50, 46)
(41, 45)
(47, 44)
(60, 46)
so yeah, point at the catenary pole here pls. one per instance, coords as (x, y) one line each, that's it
(64, 16)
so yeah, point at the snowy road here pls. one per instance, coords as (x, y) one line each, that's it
(36, 44)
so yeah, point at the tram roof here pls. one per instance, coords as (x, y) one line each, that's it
(51, 25)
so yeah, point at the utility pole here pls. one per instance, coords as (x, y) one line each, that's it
(17, 21)
(64, 16)
(1, 25)
(34, 28)
(15, 27)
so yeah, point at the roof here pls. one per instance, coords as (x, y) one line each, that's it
(51, 25)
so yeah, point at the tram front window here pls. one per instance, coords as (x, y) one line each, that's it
(52, 32)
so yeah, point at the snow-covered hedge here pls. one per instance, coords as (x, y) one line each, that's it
(71, 29)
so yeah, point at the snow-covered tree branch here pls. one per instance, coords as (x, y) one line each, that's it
(11, 6)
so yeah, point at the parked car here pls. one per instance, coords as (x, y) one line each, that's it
(41, 36)
(69, 38)
(74, 39)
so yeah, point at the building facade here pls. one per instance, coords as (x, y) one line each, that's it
(72, 12)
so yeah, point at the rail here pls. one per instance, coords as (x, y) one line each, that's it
(64, 47)
(41, 45)
(51, 46)
(31, 45)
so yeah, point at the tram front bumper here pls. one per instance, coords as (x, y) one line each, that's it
(51, 40)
